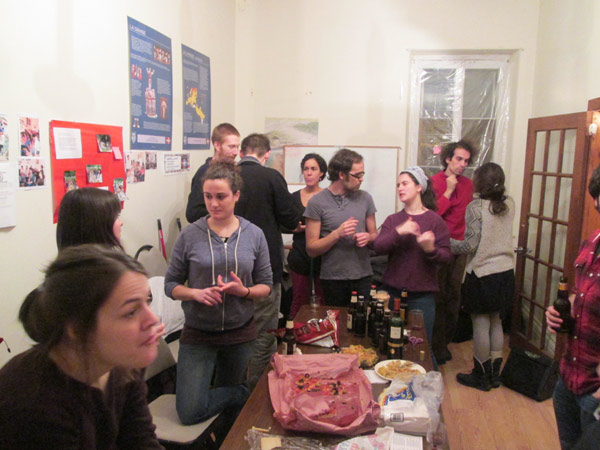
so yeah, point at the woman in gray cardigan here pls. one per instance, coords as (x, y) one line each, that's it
(225, 261)
(489, 281)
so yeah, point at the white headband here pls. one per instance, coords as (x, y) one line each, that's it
(419, 175)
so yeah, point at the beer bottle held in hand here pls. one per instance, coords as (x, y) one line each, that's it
(289, 339)
(396, 339)
(351, 311)
(563, 306)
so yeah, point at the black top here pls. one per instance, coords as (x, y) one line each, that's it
(43, 408)
(196, 208)
(267, 203)
(298, 258)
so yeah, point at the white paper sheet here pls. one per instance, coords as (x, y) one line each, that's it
(67, 143)
(8, 188)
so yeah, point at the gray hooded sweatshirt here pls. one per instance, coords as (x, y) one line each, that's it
(200, 256)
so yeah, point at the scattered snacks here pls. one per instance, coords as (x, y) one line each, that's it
(398, 369)
(367, 357)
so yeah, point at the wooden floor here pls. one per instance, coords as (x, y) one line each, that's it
(499, 419)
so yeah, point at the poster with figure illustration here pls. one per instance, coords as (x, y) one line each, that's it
(150, 87)
(29, 130)
(3, 137)
(196, 99)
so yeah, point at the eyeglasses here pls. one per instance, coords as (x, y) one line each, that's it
(358, 175)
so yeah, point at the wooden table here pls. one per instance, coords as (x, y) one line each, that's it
(258, 411)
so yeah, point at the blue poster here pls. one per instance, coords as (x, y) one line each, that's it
(151, 88)
(196, 99)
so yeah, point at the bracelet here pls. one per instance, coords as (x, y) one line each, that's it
(247, 294)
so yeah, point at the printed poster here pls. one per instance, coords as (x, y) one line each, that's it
(29, 130)
(284, 131)
(32, 173)
(8, 201)
(3, 137)
(196, 99)
(151, 88)
(177, 163)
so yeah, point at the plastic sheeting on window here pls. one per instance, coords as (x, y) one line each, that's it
(458, 98)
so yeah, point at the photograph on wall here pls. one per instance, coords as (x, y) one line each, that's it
(32, 173)
(119, 189)
(70, 180)
(94, 173)
(176, 164)
(104, 143)
(29, 130)
(151, 87)
(150, 160)
(282, 131)
(138, 166)
(196, 99)
(3, 137)
(128, 168)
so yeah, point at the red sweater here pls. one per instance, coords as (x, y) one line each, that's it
(453, 210)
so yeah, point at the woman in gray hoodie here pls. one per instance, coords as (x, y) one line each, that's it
(225, 261)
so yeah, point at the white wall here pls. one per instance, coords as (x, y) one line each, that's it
(347, 62)
(68, 60)
(567, 67)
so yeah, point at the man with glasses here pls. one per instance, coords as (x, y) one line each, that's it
(340, 222)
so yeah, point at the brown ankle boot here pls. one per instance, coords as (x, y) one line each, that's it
(479, 376)
(495, 375)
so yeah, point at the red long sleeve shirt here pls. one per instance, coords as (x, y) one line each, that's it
(453, 209)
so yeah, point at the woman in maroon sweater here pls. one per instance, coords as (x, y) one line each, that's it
(417, 241)
(81, 387)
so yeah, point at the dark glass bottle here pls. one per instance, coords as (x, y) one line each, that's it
(360, 320)
(289, 339)
(371, 316)
(384, 332)
(396, 338)
(404, 301)
(377, 324)
(361, 298)
(563, 306)
(351, 311)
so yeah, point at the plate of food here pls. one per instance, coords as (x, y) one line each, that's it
(398, 368)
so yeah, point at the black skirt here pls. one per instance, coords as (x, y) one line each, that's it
(489, 294)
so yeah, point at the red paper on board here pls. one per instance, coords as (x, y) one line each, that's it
(111, 168)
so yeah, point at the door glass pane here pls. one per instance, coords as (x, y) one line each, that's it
(540, 289)
(527, 277)
(480, 93)
(569, 151)
(438, 93)
(525, 306)
(538, 323)
(564, 198)
(540, 142)
(560, 244)
(550, 344)
(536, 190)
(545, 242)
(532, 235)
(553, 151)
(549, 196)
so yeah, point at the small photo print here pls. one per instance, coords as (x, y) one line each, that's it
(138, 164)
(94, 173)
(31, 173)
(70, 180)
(119, 188)
(29, 129)
(150, 160)
(104, 143)
(3, 137)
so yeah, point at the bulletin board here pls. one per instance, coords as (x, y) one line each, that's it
(381, 172)
(111, 167)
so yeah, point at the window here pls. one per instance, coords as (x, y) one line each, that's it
(458, 97)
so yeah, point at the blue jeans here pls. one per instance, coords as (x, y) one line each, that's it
(425, 301)
(573, 413)
(196, 401)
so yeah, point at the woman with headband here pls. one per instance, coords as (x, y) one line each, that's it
(417, 241)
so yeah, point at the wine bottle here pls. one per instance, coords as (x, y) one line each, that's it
(371, 315)
(377, 324)
(360, 320)
(384, 331)
(351, 311)
(396, 338)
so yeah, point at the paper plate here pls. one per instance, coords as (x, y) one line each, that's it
(398, 368)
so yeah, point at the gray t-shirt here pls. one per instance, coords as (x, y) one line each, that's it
(343, 261)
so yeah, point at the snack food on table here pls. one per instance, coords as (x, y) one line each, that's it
(367, 357)
(398, 369)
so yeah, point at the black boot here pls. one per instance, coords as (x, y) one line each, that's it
(479, 376)
(495, 375)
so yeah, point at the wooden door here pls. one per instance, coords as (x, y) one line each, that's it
(554, 186)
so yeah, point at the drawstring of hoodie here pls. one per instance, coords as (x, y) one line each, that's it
(212, 257)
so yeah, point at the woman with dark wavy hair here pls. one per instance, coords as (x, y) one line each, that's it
(489, 281)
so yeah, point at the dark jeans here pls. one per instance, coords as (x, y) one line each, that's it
(574, 413)
(447, 302)
(338, 292)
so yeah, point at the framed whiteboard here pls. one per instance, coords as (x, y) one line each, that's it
(381, 171)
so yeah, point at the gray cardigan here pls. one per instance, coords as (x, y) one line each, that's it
(200, 256)
(488, 239)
